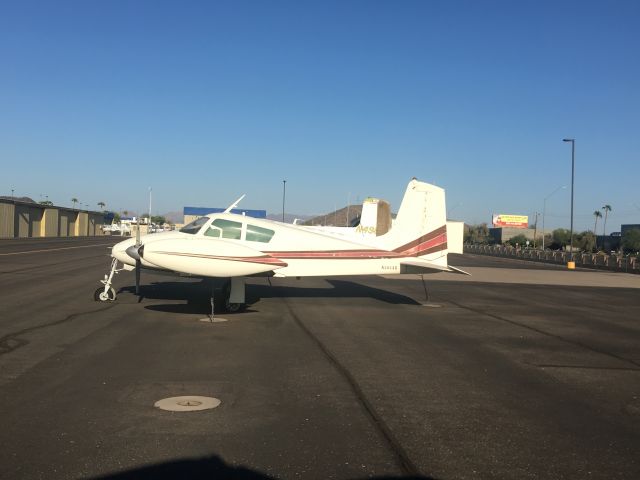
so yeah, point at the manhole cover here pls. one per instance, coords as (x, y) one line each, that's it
(188, 403)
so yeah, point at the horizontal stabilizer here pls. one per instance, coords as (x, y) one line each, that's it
(457, 270)
(418, 265)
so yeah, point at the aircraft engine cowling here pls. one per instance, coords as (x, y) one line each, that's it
(209, 257)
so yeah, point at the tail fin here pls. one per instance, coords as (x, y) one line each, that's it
(375, 219)
(420, 228)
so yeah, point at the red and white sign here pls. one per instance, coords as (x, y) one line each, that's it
(513, 221)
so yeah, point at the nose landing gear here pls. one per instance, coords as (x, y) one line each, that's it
(107, 293)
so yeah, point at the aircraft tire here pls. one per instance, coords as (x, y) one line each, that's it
(235, 307)
(100, 296)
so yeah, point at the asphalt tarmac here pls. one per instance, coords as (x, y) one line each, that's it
(518, 372)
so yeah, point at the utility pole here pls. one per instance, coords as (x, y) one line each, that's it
(535, 231)
(149, 206)
(573, 163)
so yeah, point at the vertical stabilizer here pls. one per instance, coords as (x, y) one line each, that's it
(376, 217)
(419, 229)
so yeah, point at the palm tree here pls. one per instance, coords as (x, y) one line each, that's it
(101, 204)
(598, 215)
(74, 200)
(607, 209)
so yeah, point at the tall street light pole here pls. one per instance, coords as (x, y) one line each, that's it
(544, 210)
(149, 206)
(573, 164)
(284, 192)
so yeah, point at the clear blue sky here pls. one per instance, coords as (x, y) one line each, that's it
(204, 101)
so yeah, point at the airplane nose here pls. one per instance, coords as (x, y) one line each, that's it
(132, 251)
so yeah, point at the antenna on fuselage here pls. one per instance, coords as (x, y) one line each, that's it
(234, 204)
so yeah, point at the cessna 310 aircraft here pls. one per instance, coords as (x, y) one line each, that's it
(235, 246)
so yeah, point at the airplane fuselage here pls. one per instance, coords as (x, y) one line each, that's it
(260, 246)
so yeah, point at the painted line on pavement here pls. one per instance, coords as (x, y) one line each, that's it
(54, 249)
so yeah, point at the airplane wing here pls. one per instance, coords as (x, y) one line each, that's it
(422, 266)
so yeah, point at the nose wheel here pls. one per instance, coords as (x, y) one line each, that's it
(104, 295)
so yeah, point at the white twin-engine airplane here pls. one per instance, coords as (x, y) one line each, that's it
(235, 246)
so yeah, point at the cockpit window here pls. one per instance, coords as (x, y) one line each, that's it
(193, 227)
(258, 234)
(232, 230)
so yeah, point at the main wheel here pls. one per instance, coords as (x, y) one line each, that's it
(228, 306)
(101, 296)
(235, 307)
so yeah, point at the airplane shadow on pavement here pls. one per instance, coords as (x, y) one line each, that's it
(207, 468)
(197, 294)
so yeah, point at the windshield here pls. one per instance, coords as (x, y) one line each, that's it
(193, 227)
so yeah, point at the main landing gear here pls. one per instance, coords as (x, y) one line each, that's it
(234, 298)
(107, 293)
(232, 293)
(229, 292)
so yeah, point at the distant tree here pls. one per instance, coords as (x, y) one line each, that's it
(519, 239)
(478, 234)
(561, 237)
(548, 239)
(74, 200)
(586, 241)
(102, 204)
(46, 203)
(631, 240)
(125, 212)
(598, 215)
(116, 217)
(607, 209)
(158, 219)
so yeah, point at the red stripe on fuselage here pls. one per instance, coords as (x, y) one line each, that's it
(264, 260)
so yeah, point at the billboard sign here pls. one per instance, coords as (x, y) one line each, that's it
(514, 221)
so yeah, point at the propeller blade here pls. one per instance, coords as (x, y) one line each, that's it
(138, 268)
(138, 243)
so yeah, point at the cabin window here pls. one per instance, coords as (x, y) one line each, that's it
(232, 230)
(213, 232)
(194, 227)
(258, 234)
